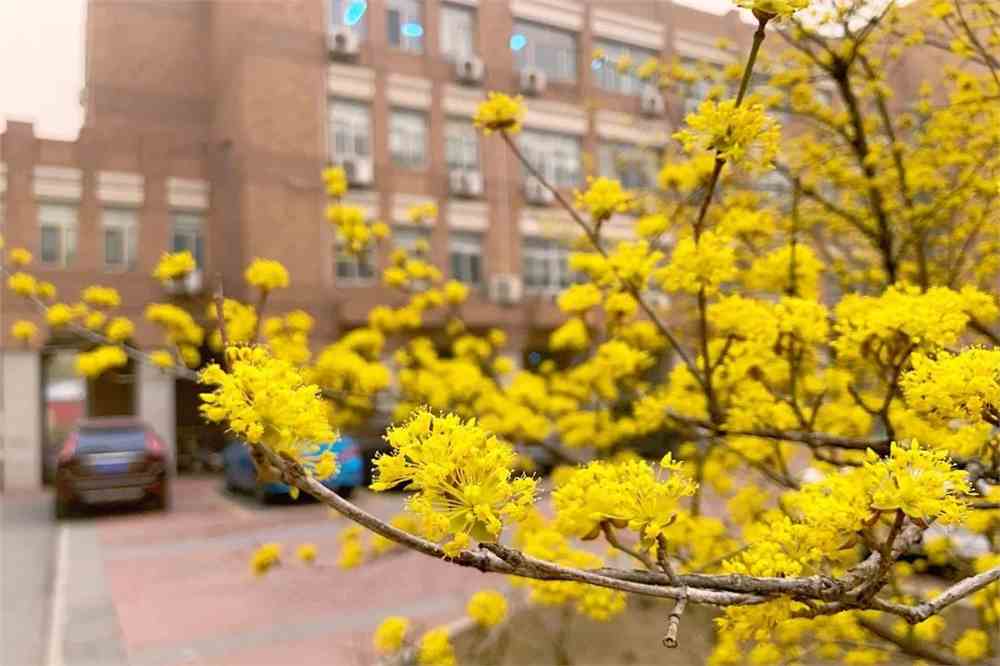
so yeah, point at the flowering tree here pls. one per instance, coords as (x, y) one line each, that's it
(819, 360)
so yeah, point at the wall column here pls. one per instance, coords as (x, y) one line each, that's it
(157, 408)
(21, 419)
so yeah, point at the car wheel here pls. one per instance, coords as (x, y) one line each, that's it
(344, 491)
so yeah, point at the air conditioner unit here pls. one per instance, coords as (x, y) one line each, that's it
(536, 194)
(506, 289)
(465, 183)
(533, 81)
(342, 42)
(359, 172)
(470, 70)
(189, 285)
(651, 102)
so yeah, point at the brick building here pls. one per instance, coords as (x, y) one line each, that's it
(207, 125)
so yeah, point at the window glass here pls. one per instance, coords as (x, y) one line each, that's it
(545, 264)
(549, 49)
(58, 228)
(555, 156)
(635, 167)
(350, 130)
(404, 23)
(408, 138)
(349, 13)
(461, 145)
(607, 73)
(457, 34)
(351, 268)
(465, 250)
(120, 238)
(187, 235)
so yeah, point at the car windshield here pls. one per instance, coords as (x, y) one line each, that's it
(107, 440)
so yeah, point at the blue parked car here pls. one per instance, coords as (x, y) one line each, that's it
(242, 476)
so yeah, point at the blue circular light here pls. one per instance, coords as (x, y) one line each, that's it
(355, 12)
(412, 29)
(518, 42)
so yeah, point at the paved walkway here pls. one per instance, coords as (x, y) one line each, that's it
(157, 589)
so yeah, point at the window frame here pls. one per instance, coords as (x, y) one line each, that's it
(608, 78)
(335, 18)
(407, 158)
(352, 275)
(447, 32)
(465, 257)
(642, 158)
(130, 237)
(554, 164)
(553, 257)
(468, 137)
(339, 120)
(68, 228)
(566, 67)
(195, 231)
(408, 11)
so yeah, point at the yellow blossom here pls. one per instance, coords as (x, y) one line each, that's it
(174, 266)
(94, 363)
(335, 181)
(22, 284)
(487, 608)
(101, 297)
(161, 359)
(499, 112)
(265, 557)
(390, 634)
(119, 329)
(435, 649)
(306, 552)
(18, 256)
(23, 331)
(266, 275)
(603, 198)
(744, 135)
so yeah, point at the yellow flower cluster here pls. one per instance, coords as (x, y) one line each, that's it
(487, 608)
(18, 256)
(435, 649)
(101, 297)
(774, 7)
(23, 331)
(60, 314)
(422, 213)
(240, 322)
(265, 557)
(705, 264)
(266, 401)
(22, 284)
(630, 493)
(884, 327)
(94, 363)
(351, 374)
(180, 330)
(288, 336)
(335, 181)
(119, 329)
(597, 603)
(266, 274)
(744, 135)
(174, 266)
(603, 198)
(946, 386)
(162, 359)
(391, 634)
(499, 113)
(919, 482)
(462, 477)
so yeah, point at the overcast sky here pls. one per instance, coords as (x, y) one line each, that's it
(41, 60)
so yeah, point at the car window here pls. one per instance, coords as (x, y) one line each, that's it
(106, 440)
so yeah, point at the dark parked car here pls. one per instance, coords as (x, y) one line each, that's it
(111, 460)
(241, 475)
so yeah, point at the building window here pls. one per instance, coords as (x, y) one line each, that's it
(606, 71)
(59, 229)
(354, 268)
(187, 235)
(458, 26)
(635, 167)
(466, 254)
(350, 130)
(549, 49)
(556, 156)
(408, 138)
(461, 145)
(698, 90)
(545, 264)
(409, 238)
(349, 14)
(404, 22)
(121, 238)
